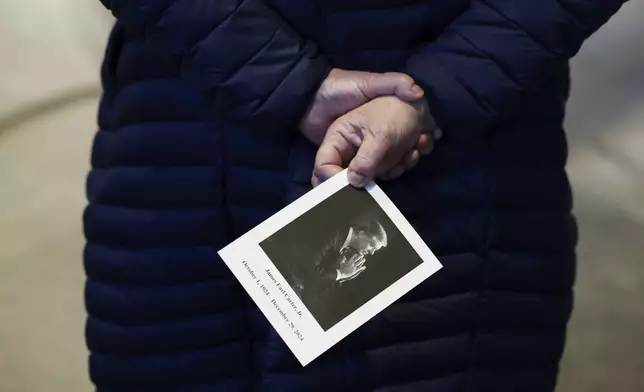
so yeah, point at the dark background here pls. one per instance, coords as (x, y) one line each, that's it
(295, 246)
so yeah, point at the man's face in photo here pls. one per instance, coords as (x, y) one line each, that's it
(361, 242)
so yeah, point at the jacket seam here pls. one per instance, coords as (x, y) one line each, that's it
(488, 57)
(516, 25)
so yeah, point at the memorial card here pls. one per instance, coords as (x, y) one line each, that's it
(327, 263)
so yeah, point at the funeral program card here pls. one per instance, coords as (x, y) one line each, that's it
(327, 263)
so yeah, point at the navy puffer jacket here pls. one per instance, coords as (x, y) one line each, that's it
(198, 144)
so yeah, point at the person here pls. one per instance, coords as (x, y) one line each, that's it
(319, 270)
(362, 241)
(217, 113)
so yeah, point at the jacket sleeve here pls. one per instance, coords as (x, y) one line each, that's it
(477, 71)
(253, 65)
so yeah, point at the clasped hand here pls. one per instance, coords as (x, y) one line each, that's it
(377, 125)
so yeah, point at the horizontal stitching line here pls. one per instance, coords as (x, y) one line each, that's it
(517, 26)
(387, 8)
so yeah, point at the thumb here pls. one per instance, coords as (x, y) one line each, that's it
(364, 166)
(392, 83)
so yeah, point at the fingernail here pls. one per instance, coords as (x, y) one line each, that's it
(357, 180)
(416, 89)
(438, 133)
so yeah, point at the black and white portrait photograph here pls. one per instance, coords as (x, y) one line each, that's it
(340, 254)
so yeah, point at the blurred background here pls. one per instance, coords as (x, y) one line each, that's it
(50, 53)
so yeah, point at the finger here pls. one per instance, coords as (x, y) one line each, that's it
(392, 83)
(364, 166)
(423, 143)
(364, 267)
(410, 161)
(328, 162)
(332, 156)
(427, 145)
(396, 172)
(394, 157)
(315, 181)
(438, 134)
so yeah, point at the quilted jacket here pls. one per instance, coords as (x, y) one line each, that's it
(198, 144)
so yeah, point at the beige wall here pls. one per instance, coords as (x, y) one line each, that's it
(606, 127)
(50, 51)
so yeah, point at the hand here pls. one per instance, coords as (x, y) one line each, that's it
(343, 91)
(350, 268)
(376, 140)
